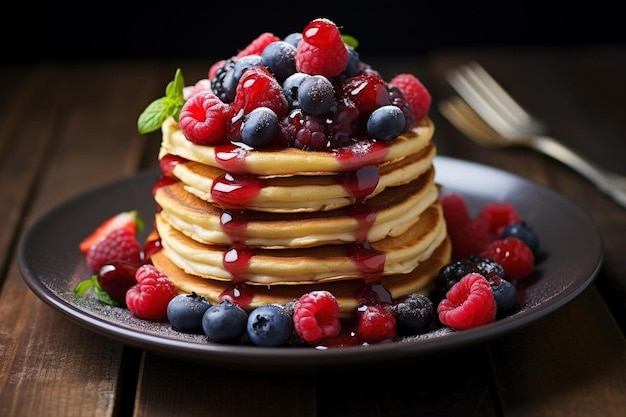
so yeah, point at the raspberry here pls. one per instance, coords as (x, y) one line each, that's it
(321, 50)
(514, 255)
(316, 316)
(121, 245)
(455, 211)
(257, 46)
(415, 92)
(469, 303)
(471, 239)
(153, 292)
(200, 85)
(258, 88)
(204, 119)
(375, 324)
(498, 215)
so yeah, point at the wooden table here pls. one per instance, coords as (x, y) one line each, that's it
(68, 127)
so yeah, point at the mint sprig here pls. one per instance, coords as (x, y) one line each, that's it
(160, 109)
(350, 41)
(82, 287)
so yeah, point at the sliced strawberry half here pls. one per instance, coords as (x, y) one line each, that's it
(124, 219)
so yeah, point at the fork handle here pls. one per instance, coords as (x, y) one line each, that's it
(608, 182)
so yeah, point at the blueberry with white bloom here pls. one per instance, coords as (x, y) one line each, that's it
(269, 325)
(386, 123)
(316, 95)
(291, 86)
(259, 127)
(280, 58)
(185, 311)
(224, 322)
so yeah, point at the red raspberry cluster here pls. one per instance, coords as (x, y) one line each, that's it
(471, 301)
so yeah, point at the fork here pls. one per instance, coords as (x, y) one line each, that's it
(487, 114)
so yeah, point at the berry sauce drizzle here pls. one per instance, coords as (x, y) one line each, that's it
(236, 189)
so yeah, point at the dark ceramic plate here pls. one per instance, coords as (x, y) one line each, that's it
(52, 265)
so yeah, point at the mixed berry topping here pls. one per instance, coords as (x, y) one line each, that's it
(322, 96)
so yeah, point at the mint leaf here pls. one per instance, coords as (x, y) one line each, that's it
(104, 296)
(82, 287)
(350, 41)
(160, 109)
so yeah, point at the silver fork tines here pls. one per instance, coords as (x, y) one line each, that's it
(488, 115)
(491, 101)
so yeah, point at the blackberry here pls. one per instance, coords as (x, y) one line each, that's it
(217, 83)
(415, 313)
(452, 273)
(487, 267)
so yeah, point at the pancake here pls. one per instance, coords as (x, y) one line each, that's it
(297, 266)
(293, 161)
(396, 209)
(304, 193)
(418, 280)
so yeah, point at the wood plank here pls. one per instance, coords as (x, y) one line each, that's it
(84, 134)
(174, 387)
(572, 363)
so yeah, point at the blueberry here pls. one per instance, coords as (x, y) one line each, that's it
(525, 233)
(452, 273)
(185, 312)
(269, 325)
(293, 38)
(316, 95)
(259, 127)
(224, 322)
(280, 58)
(291, 86)
(504, 293)
(386, 122)
(415, 313)
(354, 61)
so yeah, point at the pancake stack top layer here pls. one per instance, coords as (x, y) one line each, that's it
(323, 188)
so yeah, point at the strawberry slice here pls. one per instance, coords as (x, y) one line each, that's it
(124, 219)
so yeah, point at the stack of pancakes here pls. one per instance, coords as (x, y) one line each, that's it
(270, 225)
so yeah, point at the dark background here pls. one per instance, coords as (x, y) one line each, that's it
(193, 29)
